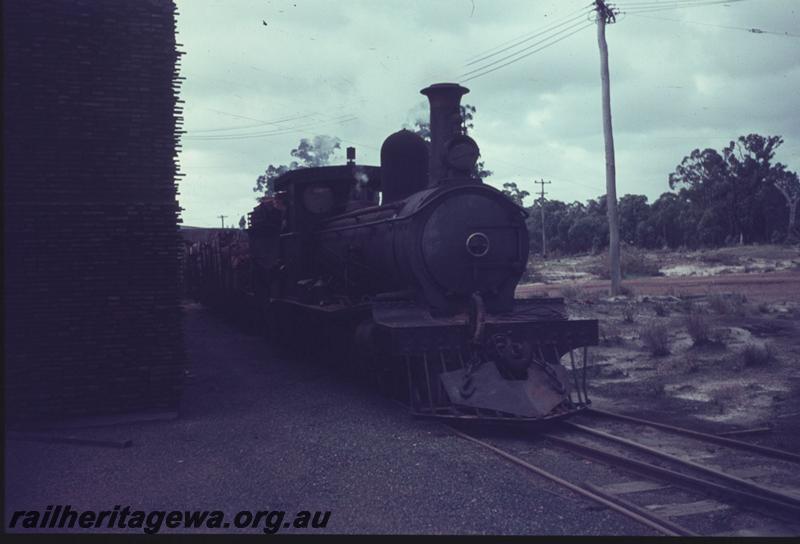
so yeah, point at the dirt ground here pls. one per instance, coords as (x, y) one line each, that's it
(719, 348)
(762, 287)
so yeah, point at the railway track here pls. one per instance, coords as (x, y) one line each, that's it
(676, 481)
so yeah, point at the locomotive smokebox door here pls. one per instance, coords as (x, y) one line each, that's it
(475, 241)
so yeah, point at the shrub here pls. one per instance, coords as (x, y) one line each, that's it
(687, 306)
(628, 313)
(758, 354)
(727, 259)
(655, 337)
(656, 389)
(610, 334)
(636, 263)
(690, 365)
(570, 292)
(626, 291)
(737, 302)
(727, 304)
(532, 275)
(660, 309)
(726, 394)
(698, 328)
(632, 262)
(718, 304)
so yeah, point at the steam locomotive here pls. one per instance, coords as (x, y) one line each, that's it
(406, 272)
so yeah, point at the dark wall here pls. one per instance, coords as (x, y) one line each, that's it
(92, 308)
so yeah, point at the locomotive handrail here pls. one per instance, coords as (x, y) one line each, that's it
(433, 196)
(364, 211)
(360, 225)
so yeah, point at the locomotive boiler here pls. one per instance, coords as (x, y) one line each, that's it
(406, 272)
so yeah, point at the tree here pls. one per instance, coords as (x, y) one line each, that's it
(513, 192)
(633, 210)
(751, 182)
(312, 153)
(789, 186)
(557, 223)
(589, 233)
(674, 221)
(317, 152)
(242, 222)
(732, 192)
(265, 182)
(701, 173)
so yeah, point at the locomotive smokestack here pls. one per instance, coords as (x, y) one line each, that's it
(445, 105)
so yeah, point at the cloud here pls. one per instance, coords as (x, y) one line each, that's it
(353, 69)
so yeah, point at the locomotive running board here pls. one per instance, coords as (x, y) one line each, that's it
(409, 328)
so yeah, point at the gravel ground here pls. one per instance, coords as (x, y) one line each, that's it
(260, 433)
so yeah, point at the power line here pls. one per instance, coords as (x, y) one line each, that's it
(526, 54)
(527, 39)
(657, 8)
(291, 117)
(285, 130)
(674, 3)
(472, 60)
(544, 40)
(260, 124)
(360, 144)
(751, 30)
(678, 4)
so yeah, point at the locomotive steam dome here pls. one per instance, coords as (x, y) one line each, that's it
(404, 165)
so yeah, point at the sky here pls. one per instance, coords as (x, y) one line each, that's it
(685, 74)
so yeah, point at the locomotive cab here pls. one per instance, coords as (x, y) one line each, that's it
(316, 194)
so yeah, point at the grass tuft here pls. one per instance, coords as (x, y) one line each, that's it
(727, 304)
(758, 354)
(655, 337)
(610, 334)
(571, 292)
(698, 328)
(628, 313)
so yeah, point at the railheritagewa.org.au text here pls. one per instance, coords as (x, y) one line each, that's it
(154, 521)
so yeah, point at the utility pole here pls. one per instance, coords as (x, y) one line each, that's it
(606, 15)
(222, 217)
(542, 182)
